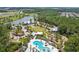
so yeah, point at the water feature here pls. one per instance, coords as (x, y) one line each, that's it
(23, 20)
(40, 45)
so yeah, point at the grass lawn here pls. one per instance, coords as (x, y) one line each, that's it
(39, 29)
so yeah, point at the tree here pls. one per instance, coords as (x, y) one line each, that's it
(4, 37)
(72, 44)
(5, 44)
(24, 40)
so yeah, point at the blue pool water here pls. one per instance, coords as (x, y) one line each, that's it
(40, 44)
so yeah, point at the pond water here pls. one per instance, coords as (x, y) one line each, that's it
(23, 20)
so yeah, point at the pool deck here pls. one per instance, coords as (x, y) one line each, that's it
(31, 45)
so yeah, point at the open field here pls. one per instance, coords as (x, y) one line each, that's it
(69, 14)
(6, 14)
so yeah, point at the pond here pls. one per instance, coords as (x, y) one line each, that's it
(23, 20)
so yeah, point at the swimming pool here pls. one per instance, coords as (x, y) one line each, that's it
(41, 47)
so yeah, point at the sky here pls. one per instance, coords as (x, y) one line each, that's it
(39, 3)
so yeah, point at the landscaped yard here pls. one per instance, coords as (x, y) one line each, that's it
(39, 29)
